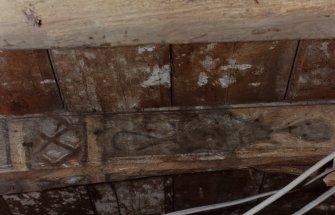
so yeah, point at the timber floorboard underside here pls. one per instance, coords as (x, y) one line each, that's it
(103, 115)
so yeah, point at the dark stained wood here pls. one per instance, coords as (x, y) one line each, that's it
(4, 145)
(66, 201)
(104, 198)
(4, 207)
(216, 73)
(292, 202)
(313, 76)
(66, 149)
(192, 190)
(27, 84)
(114, 79)
(144, 196)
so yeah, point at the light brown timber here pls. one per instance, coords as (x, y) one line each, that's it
(66, 23)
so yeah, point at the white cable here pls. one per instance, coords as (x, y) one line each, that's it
(316, 201)
(321, 175)
(240, 201)
(221, 205)
(291, 185)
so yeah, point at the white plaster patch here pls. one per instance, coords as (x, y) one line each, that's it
(47, 81)
(211, 46)
(202, 79)
(302, 80)
(274, 45)
(316, 82)
(232, 65)
(226, 80)
(255, 84)
(90, 55)
(208, 63)
(324, 48)
(148, 48)
(159, 76)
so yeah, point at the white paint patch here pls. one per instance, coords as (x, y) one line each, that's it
(324, 48)
(159, 76)
(226, 80)
(202, 79)
(302, 80)
(236, 66)
(211, 46)
(143, 49)
(90, 55)
(255, 84)
(274, 45)
(208, 63)
(232, 65)
(47, 81)
(316, 82)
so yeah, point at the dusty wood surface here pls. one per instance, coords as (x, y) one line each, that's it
(193, 190)
(313, 74)
(66, 23)
(114, 79)
(61, 150)
(72, 200)
(217, 73)
(27, 84)
(142, 196)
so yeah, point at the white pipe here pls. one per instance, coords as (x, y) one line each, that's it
(291, 185)
(316, 201)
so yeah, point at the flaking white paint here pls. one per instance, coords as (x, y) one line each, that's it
(202, 79)
(159, 76)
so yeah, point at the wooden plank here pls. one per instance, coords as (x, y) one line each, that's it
(162, 141)
(313, 75)
(4, 207)
(114, 79)
(104, 198)
(27, 84)
(142, 196)
(193, 190)
(72, 200)
(218, 73)
(145, 196)
(66, 23)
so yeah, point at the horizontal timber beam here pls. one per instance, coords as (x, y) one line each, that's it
(39, 152)
(67, 23)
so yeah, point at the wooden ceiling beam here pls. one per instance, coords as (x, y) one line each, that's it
(66, 23)
(47, 151)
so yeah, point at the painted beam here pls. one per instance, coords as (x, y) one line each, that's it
(39, 152)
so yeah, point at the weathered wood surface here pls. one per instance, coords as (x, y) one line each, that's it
(27, 84)
(114, 79)
(61, 150)
(217, 73)
(72, 200)
(313, 76)
(198, 189)
(67, 23)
